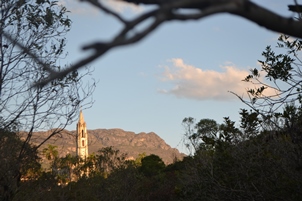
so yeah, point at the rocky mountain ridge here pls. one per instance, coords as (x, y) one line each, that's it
(126, 141)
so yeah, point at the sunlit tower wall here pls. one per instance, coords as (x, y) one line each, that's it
(82, 138)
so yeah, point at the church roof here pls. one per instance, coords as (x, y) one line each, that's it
(81, 119)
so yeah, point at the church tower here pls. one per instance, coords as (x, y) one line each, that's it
(82, 138)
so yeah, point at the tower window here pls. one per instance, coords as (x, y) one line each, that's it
(83, 143)
(82, 133)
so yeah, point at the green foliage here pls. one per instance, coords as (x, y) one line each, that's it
(258, 168)
(208, 135)
(152, 165)
(276, 67)
(19, 161)
(203, 135)
(228, 132)
(51, 152)
(138, 160)
(207, 131)
(281, 68)
(250, 123)
(109, 159)
(190, 142)
(246, 163)
(67, 169)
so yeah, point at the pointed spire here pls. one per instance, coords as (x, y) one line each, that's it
(81, 119)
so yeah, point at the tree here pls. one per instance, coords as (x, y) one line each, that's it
(283, 77)
(40, 26)
(250, 123)
(246, 163)
(108, 160)
(32, 31)
(152, 165)
(282, 72)
(282, 84)
(51, 152)
(229, 133)
(190, 142)
(67, 169)
(52, 155)
(138, 160)
(207, 131)
(12, 167)
(201, 136)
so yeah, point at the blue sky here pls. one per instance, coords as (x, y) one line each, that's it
(181, 69)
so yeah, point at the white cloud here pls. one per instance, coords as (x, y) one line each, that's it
(120, 6)
(194, 83)
(79, 8)
(82, 8)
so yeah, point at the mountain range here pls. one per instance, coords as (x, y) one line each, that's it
(126, 141)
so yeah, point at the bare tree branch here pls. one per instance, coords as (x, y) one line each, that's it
(168, 10)
(27, 51)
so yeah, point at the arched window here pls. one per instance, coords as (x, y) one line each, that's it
(82, 133)
(83, 143)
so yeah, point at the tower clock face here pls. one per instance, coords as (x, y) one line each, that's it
(83, 152)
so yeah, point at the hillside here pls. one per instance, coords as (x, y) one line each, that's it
(125, 141)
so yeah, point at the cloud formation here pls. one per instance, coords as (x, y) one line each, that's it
(194, 83)
(120, 6)
(78, 8)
